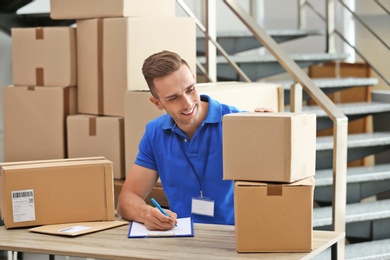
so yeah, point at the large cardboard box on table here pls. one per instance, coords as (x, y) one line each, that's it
(44, 56)
(111, 52)
(56, 191)
(34, 121)
(247, 96)
(90, 135)
(274, 217)
(275, 147)
(82, 9)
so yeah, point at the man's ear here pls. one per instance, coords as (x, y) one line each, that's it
(156, 102)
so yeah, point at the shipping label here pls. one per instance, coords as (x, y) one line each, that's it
(23, 206)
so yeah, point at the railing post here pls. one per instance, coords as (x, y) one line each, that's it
(211, 50)
(296, 94)
(302, 15)
(331, 26)
(340, 137)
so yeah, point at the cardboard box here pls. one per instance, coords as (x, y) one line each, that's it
(274, 217)
(90, 135)
(34, 121)
(275, 147)
(76, 9)
(247, 96)
(112, 51)
(56, 191)
(139, 110)
(44, 56)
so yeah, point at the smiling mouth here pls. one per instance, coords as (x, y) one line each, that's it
(189, 112)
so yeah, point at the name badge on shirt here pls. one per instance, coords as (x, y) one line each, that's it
(202, 206)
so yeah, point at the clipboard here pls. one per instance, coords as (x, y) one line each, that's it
(185, 228)
(76, 229)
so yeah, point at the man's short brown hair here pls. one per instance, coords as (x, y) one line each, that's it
(159, 65)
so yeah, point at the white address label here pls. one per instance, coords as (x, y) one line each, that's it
(23, 206)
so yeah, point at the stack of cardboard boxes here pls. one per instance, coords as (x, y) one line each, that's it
(271, 158)
(67, 102)
(43, 116)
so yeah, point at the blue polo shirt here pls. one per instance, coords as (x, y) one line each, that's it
(187, 166)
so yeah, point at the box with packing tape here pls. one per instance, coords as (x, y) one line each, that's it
(275, 147)
(44, 56)
(111, 51)
(89, 135)
(56, 191)
(274, 217)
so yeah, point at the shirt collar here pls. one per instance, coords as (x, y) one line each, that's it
(214, 113)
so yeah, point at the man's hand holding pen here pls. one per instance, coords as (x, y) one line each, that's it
(160, 219)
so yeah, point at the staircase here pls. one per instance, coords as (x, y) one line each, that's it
(368, 185)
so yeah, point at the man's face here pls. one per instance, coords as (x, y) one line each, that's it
(177, 94)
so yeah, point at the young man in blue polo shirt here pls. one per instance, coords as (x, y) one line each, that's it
(183, 148)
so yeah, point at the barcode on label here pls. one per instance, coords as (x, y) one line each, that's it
(22, 194)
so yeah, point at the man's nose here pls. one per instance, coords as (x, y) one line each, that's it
(186, 100)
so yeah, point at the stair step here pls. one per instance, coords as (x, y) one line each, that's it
(378, 249)
(11, 6)
(330, 85)
(356, 140)
(260, 66)
(372, 250)
(359, 146)
(353, 111)
(362, 182)
(238, 41)
(356, 174)
(355, 212)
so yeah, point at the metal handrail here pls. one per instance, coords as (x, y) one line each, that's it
(329, 19)
(216, 44)
(372, 33)
(364, 24)
(382, 6)
(364, 58)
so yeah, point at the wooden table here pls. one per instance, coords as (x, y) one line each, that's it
(209, 242)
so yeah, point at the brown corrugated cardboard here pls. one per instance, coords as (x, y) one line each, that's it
(274, 217)
(35, 122)
(276, 147)
(44, 56)
(56, 191)
(90, 135)
(76, 9)
(247, 96)
(77, 229)
(112, 51)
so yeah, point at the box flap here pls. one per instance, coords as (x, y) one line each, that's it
(268, 114)
(53, 162)
(309, 181)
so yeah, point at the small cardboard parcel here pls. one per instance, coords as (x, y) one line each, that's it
(274, 217)
(56, 191)
(275, 147)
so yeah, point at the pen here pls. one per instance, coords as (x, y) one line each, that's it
(155, 203)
